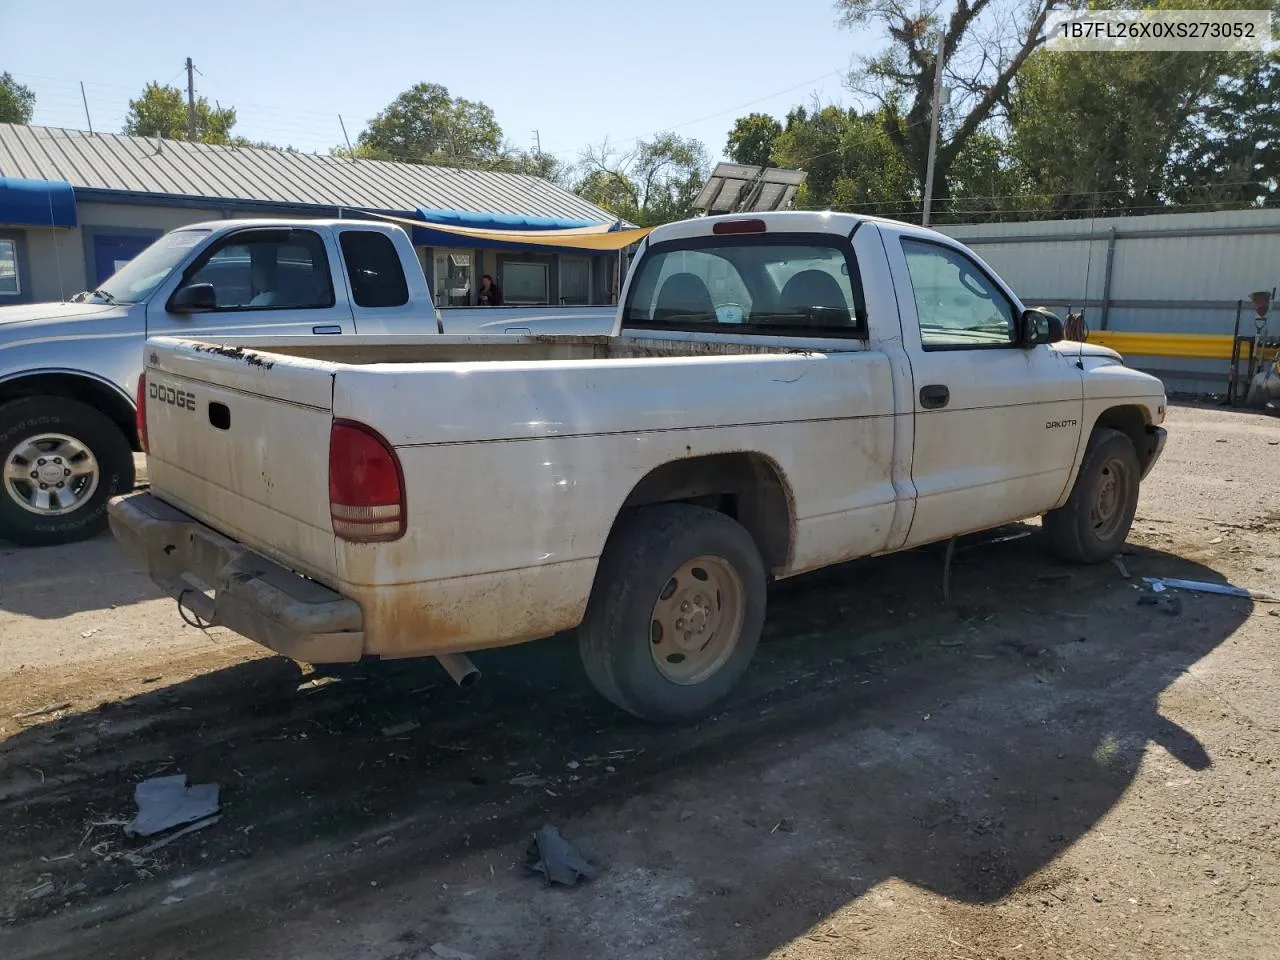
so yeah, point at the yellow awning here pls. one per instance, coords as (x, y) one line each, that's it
(598, 237)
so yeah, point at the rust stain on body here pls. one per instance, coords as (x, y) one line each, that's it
(250, 357)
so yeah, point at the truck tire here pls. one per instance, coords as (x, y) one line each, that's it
(62, 461)
(675, 613)
(1093, 524)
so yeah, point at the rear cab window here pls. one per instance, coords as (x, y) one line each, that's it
(373, 268)
(780, 285)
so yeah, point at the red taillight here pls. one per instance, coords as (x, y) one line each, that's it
(141, 405)
(738, 226)
(366, 485)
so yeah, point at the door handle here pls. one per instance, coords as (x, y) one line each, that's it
(934, 396)
(327, 328)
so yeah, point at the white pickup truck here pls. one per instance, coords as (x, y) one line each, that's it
(780, 393)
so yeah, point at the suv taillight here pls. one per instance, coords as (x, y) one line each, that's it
(141, 404)
(366, 485)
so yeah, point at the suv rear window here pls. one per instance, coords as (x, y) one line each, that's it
(373, 265)
(798, 285)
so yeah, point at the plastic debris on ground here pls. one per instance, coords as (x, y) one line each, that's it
(1160, 584)
(400, 728)
(167, 802)
(556, 859)
(528, 780)
(43, 711)
(448, 953)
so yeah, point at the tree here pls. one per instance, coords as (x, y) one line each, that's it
(162, 112)
(654, 183)
(534, 163)
(752, 139)
(850, 161)
(1230, 150)
(988, 184)
(426, 125)
(1134, 132)
(984, 46)
(17, 103)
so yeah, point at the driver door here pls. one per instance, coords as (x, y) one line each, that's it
(996, 424)
(273, 281)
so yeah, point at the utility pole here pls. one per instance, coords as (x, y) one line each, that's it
(191, 100)
(350, 151)
(537, 139)
(933, 127)
(87, 119)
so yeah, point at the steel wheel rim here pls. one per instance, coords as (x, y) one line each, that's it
(697, 620)
(1110, 495)
(51, 474)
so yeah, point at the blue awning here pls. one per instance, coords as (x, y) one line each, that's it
(37, 203)
(500, 221)
(424, 236)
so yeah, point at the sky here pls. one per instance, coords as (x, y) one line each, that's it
(576, 71)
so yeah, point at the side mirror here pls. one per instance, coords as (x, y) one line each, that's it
(193, 298)
(1037, 326)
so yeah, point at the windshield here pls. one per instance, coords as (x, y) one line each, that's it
(795, 286)
(141, 275)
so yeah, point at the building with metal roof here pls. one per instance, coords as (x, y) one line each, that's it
(74, 206)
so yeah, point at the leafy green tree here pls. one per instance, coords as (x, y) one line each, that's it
(985, 44)
(752, 139)
(988, 184)
(850, 160)
(161, 111)
(534, 163)
(425, 124)
(1229, 152)
(17, 102)
(1136, 132)
(654, 183)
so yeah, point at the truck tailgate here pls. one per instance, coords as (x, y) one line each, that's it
(239, 440)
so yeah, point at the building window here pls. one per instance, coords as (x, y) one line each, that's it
(10, 285)
(524, 283)
(453, 278)
(373, 266)
(575, 281)
(113, 247)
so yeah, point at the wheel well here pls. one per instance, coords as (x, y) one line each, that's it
(103, 397)
(745, 486)
(1132, 422)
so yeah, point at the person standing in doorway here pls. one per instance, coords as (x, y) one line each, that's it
(490, 292)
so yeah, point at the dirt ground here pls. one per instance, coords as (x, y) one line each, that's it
(1043, 767)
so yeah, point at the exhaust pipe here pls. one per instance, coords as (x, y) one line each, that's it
(459, 666)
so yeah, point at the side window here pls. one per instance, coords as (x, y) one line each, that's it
(9, 283)
(373, 265)
(957, 304)
(268, 270)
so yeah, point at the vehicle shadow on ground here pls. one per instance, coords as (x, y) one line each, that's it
(1042, 681)
(49, 583)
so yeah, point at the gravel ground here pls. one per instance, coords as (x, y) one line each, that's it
(1042, 768)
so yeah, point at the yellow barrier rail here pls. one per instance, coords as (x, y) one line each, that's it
(1192, 345)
